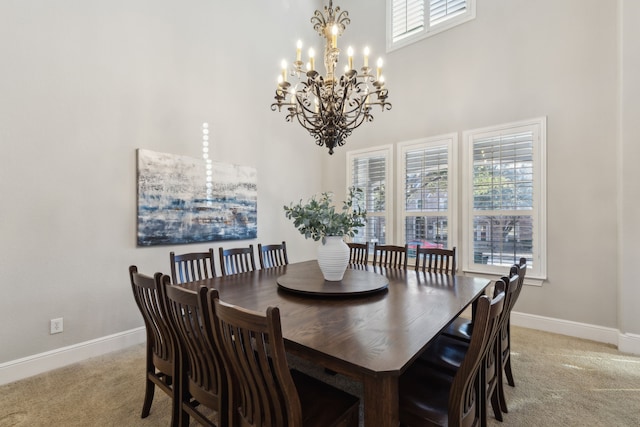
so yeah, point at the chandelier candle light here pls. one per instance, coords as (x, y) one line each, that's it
(330, 107)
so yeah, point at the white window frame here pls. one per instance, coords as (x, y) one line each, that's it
(428, 29)
(387, 152)
(451, 142)
(538, 271)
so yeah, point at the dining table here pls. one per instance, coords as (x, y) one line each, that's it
(370, 326)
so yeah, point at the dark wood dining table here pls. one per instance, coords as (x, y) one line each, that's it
(371, 337)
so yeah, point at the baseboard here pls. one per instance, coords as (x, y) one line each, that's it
(15, 370)
(566, 327)
(629, 343)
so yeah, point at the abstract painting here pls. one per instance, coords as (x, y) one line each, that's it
(187, 200)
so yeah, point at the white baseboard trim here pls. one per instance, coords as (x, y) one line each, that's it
(18, 369)
(629, 343)
(566, 327)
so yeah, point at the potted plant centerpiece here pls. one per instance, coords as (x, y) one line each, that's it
(318, 219)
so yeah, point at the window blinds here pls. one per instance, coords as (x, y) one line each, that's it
(441, 10)
(369, 174)
(426, 179)
(503, 172)
(409, 16)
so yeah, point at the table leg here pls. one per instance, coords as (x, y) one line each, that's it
(381, 404)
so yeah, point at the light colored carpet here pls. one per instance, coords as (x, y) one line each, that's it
(560, 381)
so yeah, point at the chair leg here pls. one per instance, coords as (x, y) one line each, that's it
(176, 405)
(501, 396)
(500, 382)
(508, 373)
(148, 397)
(495, 404)
(507, 356)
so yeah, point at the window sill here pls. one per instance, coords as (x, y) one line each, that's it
(529, 281)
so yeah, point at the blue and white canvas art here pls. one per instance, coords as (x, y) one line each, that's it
(178, 203)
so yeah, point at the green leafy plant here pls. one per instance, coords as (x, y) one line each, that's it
(318, 217)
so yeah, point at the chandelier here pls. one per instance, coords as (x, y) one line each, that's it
(330, 107)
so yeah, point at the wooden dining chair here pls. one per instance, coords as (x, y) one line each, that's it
(265, 392)
(447, 354)
(462, 329)
(390, 256)
(203, 380)
(358, 253)
(237, 260)
(272, 255)
(505, 333)
(191, 267)
(430, 396)
(162, 357)
(436, 260)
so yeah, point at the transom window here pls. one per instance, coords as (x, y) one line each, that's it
(412, 20)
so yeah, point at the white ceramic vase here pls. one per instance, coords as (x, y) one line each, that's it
(333, 258)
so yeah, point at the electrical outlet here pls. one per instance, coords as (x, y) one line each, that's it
(56, 326)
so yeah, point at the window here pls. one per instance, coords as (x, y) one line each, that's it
(504, 197)
(370, 171)
(487, 198)
(412, 20)
(427, 185)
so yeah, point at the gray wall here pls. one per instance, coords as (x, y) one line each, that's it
(83, 83)
(521, 59)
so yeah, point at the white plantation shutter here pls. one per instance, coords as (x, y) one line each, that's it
(440, 10)
(505, 219)
(407, 17)
(370, 171)
(427, 186)
(411, 20)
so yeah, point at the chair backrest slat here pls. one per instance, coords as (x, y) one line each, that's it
(436, 260)
(191, 267)
(358, 253)
(237, 260)
(390, 256)
(272, 255)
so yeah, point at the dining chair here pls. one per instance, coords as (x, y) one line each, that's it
(447, 354)
(505, 333)
(203, 381)
(390, 256)
(191, 267)
(358, 253)
(430, 396)
(265, 392)
(162, 357)
(436, 260)
(272, 255)
(237, 260)
(462, 329)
